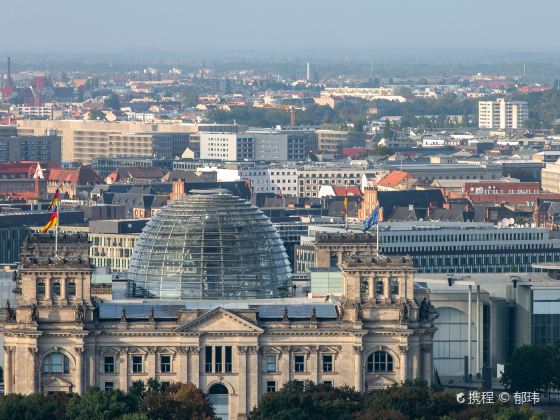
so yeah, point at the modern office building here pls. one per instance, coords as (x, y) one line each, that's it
(438, 171)
(261, 145)
(310, 179)
(550, 177)
(332, 141)
(281, 180)
(112, 242)
(227, 146)
(502, 114)
(82, 141)
(449, 247)
(30, 148)
(105, 165)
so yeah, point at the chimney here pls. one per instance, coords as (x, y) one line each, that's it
(292, 117)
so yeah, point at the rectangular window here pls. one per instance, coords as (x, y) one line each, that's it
(328, 384)
(299, 363)
(327, 363)
(270, 386)
(271, 363)
(228, 364)
(136, 364)
(165, 363)
(218, 364)
(108, 386)
(208, 359)
(109, 364)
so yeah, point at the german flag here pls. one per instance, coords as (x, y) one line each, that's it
(55, 200)
(53, 222)
(346, 204)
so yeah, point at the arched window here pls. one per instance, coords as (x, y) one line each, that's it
(71, 289)
(56, 288)
(380, 361)
(41, 289)
(56, 363)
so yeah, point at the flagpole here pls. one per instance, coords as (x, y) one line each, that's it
(56, 230)
(377, 237)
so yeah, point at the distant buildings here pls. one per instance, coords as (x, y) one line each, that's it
(369, 94)
(83, 141)
(14, 148)
(263, 145)
(502, 114)
(550, 177)
(333, 141)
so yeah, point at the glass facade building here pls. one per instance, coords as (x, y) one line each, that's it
(209, 244)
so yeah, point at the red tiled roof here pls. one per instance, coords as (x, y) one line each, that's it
(393, 179)
(353, 190)
(80, 176)
(19, 168)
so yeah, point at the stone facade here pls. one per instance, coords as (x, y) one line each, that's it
(59, 338)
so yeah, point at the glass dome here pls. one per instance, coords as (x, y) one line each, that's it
(209, 245)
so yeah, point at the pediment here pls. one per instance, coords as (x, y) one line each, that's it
(56, 382)
(379, 381)
(219, 320)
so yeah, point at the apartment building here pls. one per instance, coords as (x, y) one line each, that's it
(502, 114)
(310, 180)
(332, 141)
(45, 148)
(82, 141)
(550, 178)
(261, 145)
(277, 180)
(112, 241)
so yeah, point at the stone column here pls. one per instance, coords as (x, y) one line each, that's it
(253, 376)
(358, 368)
(78, 375)
(183, 357)
(243, 377)
(427, 363)
(80, 289)
(314, 363)
(416, 367)
(32, 369)
(285, 358)
(194, 366)
(91, 371)
(387, 289)
(123, 370)
(63, 297)
(48, 290)
(403, 351)
(8, 370)
(151, 362)
(371, 282)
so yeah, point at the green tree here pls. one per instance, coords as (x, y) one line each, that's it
(176, 401)
(100, 405)
(34, 406)
(297, 401)
(190, 100)
(530, 368)
(96, 114)
(387, 133)
(113, 102)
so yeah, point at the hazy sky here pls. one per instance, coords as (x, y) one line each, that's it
(185, 25)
